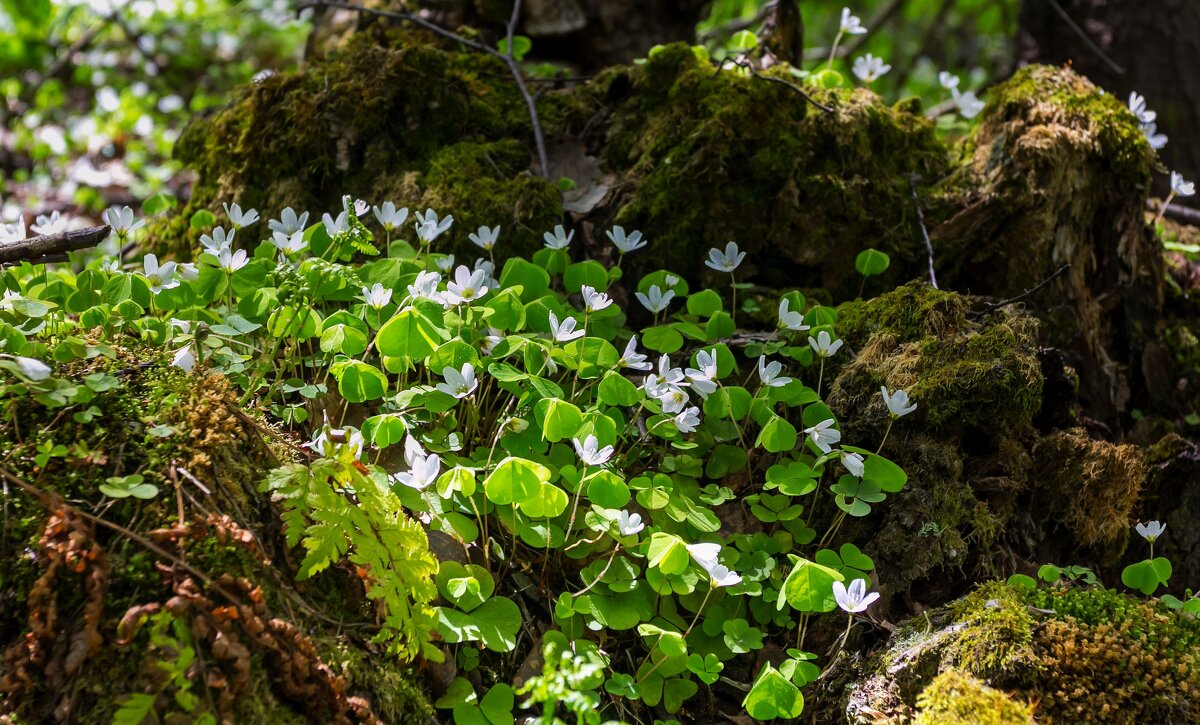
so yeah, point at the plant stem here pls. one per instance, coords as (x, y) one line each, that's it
(833, 51)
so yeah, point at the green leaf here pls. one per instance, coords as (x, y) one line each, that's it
(408, 334)
(532, 280)
(521, 45)
(515, 480)
(342, 338)
(871, 262)
(616, 389)
(889, 477)
(384, 430)
(588, 272)
(667, 553)
(777, 435)
(558, 419)
(202, 219)
(1146, 576)
(773, 696)
(809, 587)
(664, 338)
(499, 622)
(704, 303)
(359, 382)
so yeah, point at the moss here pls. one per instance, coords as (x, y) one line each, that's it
(954, 698)
(1090, 485)
(912, 312)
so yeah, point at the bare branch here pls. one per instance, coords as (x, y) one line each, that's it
(993, 306)
(912, 183)
(52, 247)
(761, 76)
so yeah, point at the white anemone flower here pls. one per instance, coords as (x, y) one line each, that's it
(687, 420)
(594, 301)
(336, 225)
(160, 277)
(823, 344)
(238, 218)
(769, 373)
(15, 232)
(184, 358)
(706, 555)
(45, 225)
(655, 300)
(897, 402)
(1153, 137)
(790, 319)
(1151, 530)
(823, 435)
(854, 463)
(289, 244)
(559, 239)
(855, 599)
(467, 285)
(633, 359)
(626, 243)
(1180, 187)
(459, 383)
(629, 524)
(288, 222)
(485, 238)
(376, 296)
(1138, 107)
(389, 217)
(564, 331)
(425, 286)
(850, 23)
(590, 452)
(217, 242)
(231, 261)
(869, 68)
(726, 261)
(122, 221)
(327, 440)
(969, 105)
(423, 468)
(948, 80)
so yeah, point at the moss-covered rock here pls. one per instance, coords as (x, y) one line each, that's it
(181, 603)
(1079, 655)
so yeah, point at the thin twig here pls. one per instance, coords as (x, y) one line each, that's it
(993, 306)
(52, 247)
(742, 63)
(1084, 37)
(912, 184)
(507, 58)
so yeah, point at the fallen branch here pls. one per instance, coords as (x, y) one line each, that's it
(993, 306)
(912, 183)
(742, 63)
(52, 247)
(507, 57)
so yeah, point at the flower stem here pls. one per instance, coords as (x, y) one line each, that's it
(1163, 209)
(833, 51)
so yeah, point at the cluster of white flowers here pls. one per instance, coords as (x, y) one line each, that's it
(1146, 119)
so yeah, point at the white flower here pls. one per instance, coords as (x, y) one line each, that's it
(467, 285)
(790, 319)
(1137, 106)
(425, 286)
(14, 232)
(238, 218)
(687, 420)
(673, 398)
(948, 80)
(160, 277)
(288, 223)
(1151, 530)
(670, 280)
(626, 244)
(360, 206)
(823, 345)
(633, 359)
(327, 439)
(564, 331)
(703, 378)
(112, 266)
(726, 261)
(289, 244)
(969, 105)
(769, 373)
(444, 262)
(656, 301)
(423, 468)
(854, 463)
(490, 341)
(850, 24)
(560, 239)
(218, 242)
(670, 375)
(824, 435)
(629, 524)
(377, 296)
(54, 224)
(184, 358)
(334, 227)
(122, 222)
(855, 599)
(231, 261)
(485, 238)
(1156, 140)
(459, 384)
(590, 452)
(183, 326)
(31, 368)
(706, 556)
(389, 217)
(430, 227)
(1179, 187)
(868, 68)
(594, 301)
(897, 403)
(188, 271)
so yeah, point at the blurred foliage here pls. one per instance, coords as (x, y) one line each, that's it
(94, 92)
(919, 38)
